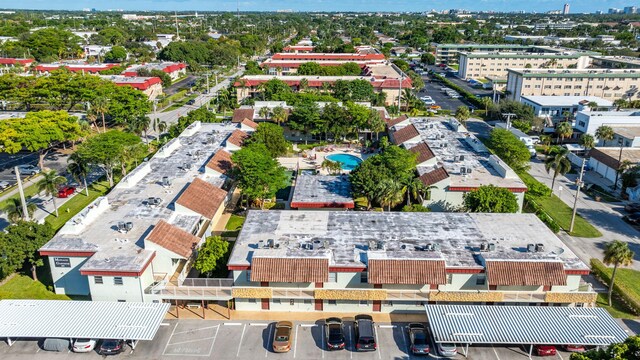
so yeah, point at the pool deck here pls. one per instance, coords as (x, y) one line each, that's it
(315, 157)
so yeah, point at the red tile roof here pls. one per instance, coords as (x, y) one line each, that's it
(13, 61)
(423, 151)
(434, 176)
(237, 137)
(89, 68)
(413, 271)
(396, 121)
(289, 269)
(202, 197)
(525, 273)
(221, 162)
(173, 239)
(250, 123)
(322, 56)
(405, 134)
(241, 114)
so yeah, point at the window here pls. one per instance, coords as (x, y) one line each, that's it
(547, 86)
(174, 261)
(333, 302)
(307, 301)
(333, 277)
(122, 300)
(387, 303)
(527, 86)
(481, 280)
(277, 301)
(292, 302)
(248, 276)
(364, 303)
(449, 278)
(557, 86)
(538, 86)
(117, 280)
(97, 280)
(567, 86)
(252, 301)
(364, 277)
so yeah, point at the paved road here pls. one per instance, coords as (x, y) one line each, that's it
(184, 83)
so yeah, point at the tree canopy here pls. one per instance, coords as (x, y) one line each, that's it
(510, 149)
(491, 199)
(272, 137)
(314, 68)
(20, 243)
(259, 176)
(210, 253)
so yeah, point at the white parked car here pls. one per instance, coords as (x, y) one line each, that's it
(535, 139)
(447, 350)
(84, 345)
(4, 185)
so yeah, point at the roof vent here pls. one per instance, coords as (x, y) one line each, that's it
(484, 246)
(461, 157)
(531, 248)
(463, 170)
(165, 181)
(306, 246)
(380, 245)
(270, 244)
(469, 170)
(539, 247)
(429, 247)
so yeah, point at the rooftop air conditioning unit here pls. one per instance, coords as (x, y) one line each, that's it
(166, 181)
(492, 246)
(531, 247)
(484, 246)
(469, 170)
(539, 247)
(270, 243)
(128, 226)
(122, 227)
(428, 247)
(380, 245)
(461, 158)
(463, 170)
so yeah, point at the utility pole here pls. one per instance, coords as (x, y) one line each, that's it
(575, 201)
(177, 31)
(400, 94)
(25, 212)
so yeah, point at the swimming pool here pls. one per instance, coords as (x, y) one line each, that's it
(347, 162)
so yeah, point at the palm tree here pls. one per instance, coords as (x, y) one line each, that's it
(588, 142)
(415, 187)
(49, 184)
(559, 162)
(486, 103)
(14, 210)
(390, 193)
(604, 133)
(617, 253)
(593, 105)
(101, 106)
(79, 170)
(264, 112)
(279, 114)
(303, 85)
(546, 141)
(620, 103)
(629, 177)
(564, 130)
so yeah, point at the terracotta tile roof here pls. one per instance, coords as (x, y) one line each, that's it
(237, 137)
(526, 273)
(405, 134)
(423, 151)
(221, 162)
(173, 239)
(383, 115)
(434, 176)
(289, 269)
(396, 121)
(250, 123)
(407, 272)
(241, 114)
(202, 197)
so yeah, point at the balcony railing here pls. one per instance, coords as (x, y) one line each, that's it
(289, 293)
(207, 282)
(523, 296)
(186, 292)
(400, 295)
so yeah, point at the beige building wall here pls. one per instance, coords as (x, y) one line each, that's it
(474, 66)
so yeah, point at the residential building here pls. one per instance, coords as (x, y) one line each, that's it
(322, 192)
(349, 261)
(450, 53)
(555, 26)
(75, 67)
(175, 70)
(554, 107)
(147, 229)
(616, 62)
(298, 49)
(480, 64)
(587, 121)
(288, 63)
(609, 84)
(21, 64)
(235, 141)
(604, 160)
(96, 51)
(627, 136)
(150, 86)
(630, 10)
(565, 9)
(453, 161)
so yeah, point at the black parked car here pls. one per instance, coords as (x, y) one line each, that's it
(111, 347)
(335, 334)
(419, 339)
(365, 333)
(632, 218)
(632, 207)
(191, 102)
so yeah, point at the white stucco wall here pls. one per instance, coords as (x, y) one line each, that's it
(68, 280)
(132, 288)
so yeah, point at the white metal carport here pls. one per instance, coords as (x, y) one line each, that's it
(522, 325)
(80, 319)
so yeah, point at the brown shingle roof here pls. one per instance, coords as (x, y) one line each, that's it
(221, 162)
(173, 239)
(202, 197)
(396, 121)
(407, 272)
(405, 134)
(250, 123)
(434, 176)
(526, 273)
(241, 114)
(289, 269)
(423, 151)
(237, 137)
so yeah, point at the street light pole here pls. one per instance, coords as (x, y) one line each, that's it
(25, 210)
(615, 184)
(575, 201)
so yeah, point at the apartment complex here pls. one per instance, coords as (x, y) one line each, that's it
(616, 62)
(173, 69)
(554, 107)
(150, 86)
(610, 84)
(341, 261)
(22, 64)
(449, 53)
(74, 67)
(148, 228)
(588, 122)
(288, 63)
(453, 161)
(481, 64)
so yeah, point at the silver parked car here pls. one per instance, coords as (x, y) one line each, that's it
(84, 345)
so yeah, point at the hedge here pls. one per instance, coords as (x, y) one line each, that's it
(629, 296)
(467, 95)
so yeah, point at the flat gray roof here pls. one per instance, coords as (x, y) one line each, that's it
(324, 189)
(349, 234)
(80, 319)
(566, 100)
(537, 325)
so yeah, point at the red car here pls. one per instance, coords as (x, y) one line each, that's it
(544, 350)
(66, 191)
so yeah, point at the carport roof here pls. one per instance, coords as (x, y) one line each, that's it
(80, 319)
(541, 325)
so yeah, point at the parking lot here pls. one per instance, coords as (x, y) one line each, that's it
(442, 99)
(197, 339)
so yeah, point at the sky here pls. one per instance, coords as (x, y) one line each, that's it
(577, 6)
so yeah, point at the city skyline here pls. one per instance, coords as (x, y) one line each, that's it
(326, 5)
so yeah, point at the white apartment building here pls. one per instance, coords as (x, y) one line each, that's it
(449, 53)
(553, 107)
(589, 121)
(147, 229)
(610, 84)
(349, 261)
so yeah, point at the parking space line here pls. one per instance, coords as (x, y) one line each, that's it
(387, 326)
(323, 343)
(404, 340)
(258, 324)
(560, 356)
(241, 337)
(170, 337)
(231, 324)
(214, 340)
(295, 342)
(495, 352)
(190, 341)
(379, 348)
(194, 330)
(269, 339)
(349, 339)
(308, 325)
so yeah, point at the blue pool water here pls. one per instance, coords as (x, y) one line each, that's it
(348, 162)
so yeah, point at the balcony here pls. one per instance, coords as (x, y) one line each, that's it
(289, 293)
(190, 293)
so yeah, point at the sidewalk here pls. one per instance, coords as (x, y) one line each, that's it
(25, 183)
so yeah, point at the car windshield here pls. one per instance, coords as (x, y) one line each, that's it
(335, 335)
(447, 346)
(82, 341)
(420, 339)
(109, 343)
(282, 338)
(366, 341)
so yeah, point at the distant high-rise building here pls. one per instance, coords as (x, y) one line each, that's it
(630, 10)
(614, 11)
(565, 9)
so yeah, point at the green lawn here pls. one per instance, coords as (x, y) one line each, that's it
(235, 222)
(619, 310)
(23, 287)
(180, 103)
(561, 213)
(77, 203)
